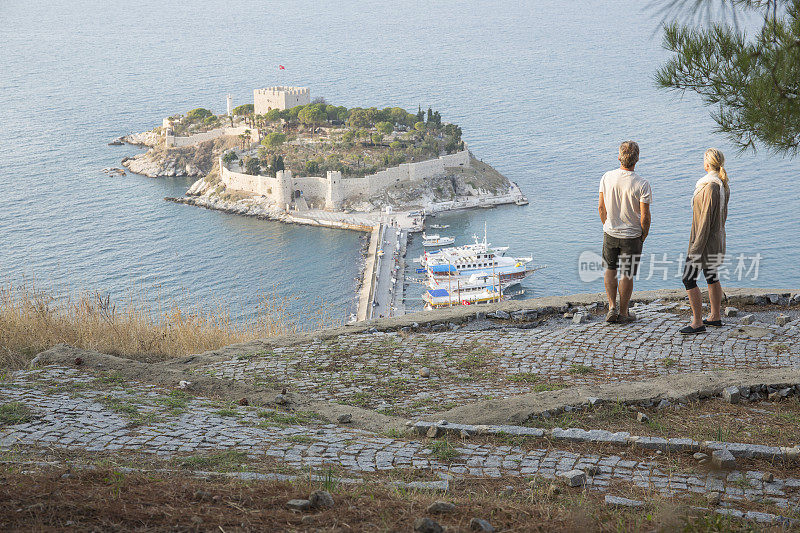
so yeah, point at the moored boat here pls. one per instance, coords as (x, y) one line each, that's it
(435, 239)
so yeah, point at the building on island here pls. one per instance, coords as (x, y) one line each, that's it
(279, 97)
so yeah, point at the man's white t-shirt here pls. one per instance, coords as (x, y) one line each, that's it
(622, 191)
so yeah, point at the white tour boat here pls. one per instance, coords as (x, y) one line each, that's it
(435, 239)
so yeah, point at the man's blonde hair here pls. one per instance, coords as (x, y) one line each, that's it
(628, 154)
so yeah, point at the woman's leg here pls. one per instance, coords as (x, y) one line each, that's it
(696, 303)
(690, 273)
(715, 297)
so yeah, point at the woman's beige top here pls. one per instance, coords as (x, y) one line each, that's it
(707, 238)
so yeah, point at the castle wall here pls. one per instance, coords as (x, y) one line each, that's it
(333, 188)
(178, 141)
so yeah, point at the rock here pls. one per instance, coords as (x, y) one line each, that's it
(618, 501)
(440, 507)
(426, 525)
(78, 361)
(502, 315)
(731, 311)
(579, 318)
(782, 320)
(746, 320)
(183, 384)
(299, 505)
(553, 490)
(594, 401)
(574, 478)
(569, 315)
(465, 434)
(321, 499)
(244, 401)
(795, 299)
(425, 372)
(713, 497)
(592, 470)
(663, 404)
(641, 417)
(479, 524)
(508, 491)
(767, 477)
(281, 399)
(700, 456)
(434, 432)
(480, 315)
(345, 418)
(731, 394)
(723, 459)
(442, 422)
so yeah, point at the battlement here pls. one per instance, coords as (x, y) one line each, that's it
(280, 97)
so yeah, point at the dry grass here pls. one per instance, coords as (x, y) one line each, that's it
(108, 499)
(142, 326)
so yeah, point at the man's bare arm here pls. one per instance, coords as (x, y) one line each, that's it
(645, 220)
(602, 209)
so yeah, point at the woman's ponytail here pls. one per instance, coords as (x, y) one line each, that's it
(716, 161)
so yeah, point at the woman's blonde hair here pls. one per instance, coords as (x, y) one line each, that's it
(716, 161)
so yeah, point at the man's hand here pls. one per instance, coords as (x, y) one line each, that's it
(645, 220)
(602, 209)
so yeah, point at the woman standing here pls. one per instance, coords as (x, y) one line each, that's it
(707, 241)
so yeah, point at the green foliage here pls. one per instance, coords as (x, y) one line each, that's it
(396, 145)
(753, 84)
(198, 114)
(244, 109)
(273, 115)
(349, 136)
(444, 451)
(363, 118)
(14, 413)
(313, 114)
(312, 168)
(274, 139)
(252, 166)
(377, 138)
(230, 157)
(384, 127)
(419, 126)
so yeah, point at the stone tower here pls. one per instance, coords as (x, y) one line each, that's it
(230, 104)
(283, 196)
(333, 195)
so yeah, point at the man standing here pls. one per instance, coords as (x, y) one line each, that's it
(625, 212)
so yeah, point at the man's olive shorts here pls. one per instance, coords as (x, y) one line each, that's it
(622, 254)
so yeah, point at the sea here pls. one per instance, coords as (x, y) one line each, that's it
(544, 91)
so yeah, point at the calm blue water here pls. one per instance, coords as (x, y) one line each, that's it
(544, 92)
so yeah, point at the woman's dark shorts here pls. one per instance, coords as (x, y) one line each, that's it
(691, 271)
(622, 254)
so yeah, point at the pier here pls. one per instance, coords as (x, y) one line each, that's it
(382, 288)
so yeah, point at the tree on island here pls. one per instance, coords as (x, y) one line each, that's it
(753, 83)
(384, 127)
(244, 109)
(198, 114)
(252, 166)
(274, 139)
(312, 115)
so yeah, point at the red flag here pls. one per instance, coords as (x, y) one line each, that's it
(281, 67)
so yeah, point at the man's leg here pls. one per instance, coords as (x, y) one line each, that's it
(610, 279)
(625, 292)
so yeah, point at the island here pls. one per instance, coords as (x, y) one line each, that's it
(285, 155)
(289, 158)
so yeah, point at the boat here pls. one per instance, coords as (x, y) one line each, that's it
(440, 226)
(437, 298)
(479, 259)
(521, 201)
(435, 239)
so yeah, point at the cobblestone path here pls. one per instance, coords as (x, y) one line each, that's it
(75, 410)
(382, 370)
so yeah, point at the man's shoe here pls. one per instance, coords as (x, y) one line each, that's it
(689, 330)
(715, 323)
(627, 319)
(612, 316)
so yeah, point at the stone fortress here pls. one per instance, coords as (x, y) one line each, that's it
(279, 97)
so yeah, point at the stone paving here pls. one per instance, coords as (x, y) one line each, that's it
(381, 370)
(74, 410)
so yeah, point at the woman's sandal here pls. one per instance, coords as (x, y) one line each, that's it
(689, 330)
(715, 323)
